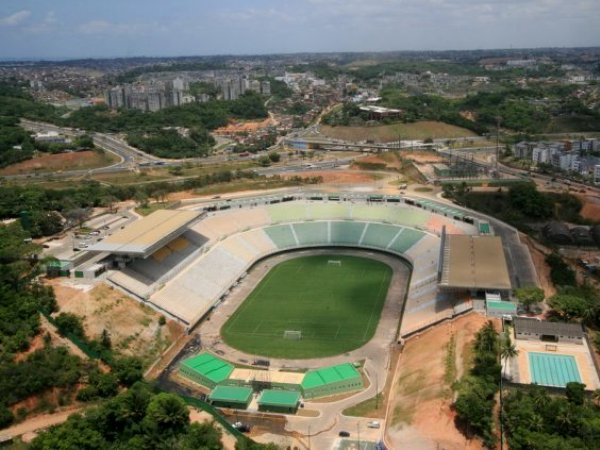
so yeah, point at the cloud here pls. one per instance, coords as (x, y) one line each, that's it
(15, 19)
(104, 27)
(47, 25)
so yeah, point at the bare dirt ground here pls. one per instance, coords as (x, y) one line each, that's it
(338, 176)
(388, 159)
(421, 157)
(61, 161)
(538, 255)
(591, 207)
(28, 428)
(420, 410)
(133, 327)
(244, 127)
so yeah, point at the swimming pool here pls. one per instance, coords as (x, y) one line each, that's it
(553, 370)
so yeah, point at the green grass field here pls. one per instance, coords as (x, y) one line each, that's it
(337, 308)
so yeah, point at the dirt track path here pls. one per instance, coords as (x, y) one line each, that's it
(40, 422)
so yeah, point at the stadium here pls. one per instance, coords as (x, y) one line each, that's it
(308, 281)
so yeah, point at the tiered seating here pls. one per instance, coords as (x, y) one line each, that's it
(197, 288)
(288, 212)
(179, 244)
(161, 254)
(311, 233)
(238, 247)
(225, 223)
(329, 210)
(257, 240)
(406, 239)
(346, 233)
(379, 235)
(376, 213)
(282, 236)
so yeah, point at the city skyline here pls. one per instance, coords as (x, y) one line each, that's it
(67, 29)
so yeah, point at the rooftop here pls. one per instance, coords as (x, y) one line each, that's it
(234, 394)
(474, 262)
(329, 375)
(534, 326)
(147, 235)
(209, 366)
(279, 398)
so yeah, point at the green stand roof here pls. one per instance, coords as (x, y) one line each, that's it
(275, 397)
(231, 394)
(329, 375)
(209, 366)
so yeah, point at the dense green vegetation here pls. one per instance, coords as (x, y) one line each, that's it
(22, 300)
(16, 103)
(170, 144)
(209, 115)
(140, 418)
(561, 273)
(520, 206)
(536, 109)
(145, 129)
(536, 420)
(336, 308)
(476, 390)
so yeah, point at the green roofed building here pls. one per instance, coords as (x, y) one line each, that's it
(275, 400)
(231, 396)
(331, 381)
(206, 369)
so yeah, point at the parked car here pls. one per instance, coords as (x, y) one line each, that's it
(373, 424)
(344, 434)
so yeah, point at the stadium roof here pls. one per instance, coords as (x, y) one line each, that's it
(329, 375)
(147, 235)
(209, 366)
(266, 376)
(232, 394)
(534, 326)
(474, 262)
(275, 397)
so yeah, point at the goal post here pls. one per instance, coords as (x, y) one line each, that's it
(334, 262)
(293, 335)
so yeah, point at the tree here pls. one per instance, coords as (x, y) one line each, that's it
(575, 392)
(105, 341)
(264, 161)
(6, 416)
(274, 157)
(166, 414)
(68, 323)
(128, 370)
(529, 296)
(141, 198)
(507, 349)
(203, 436)
(75, 433)
(568, 306)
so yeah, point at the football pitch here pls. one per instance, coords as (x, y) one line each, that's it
(335, 306)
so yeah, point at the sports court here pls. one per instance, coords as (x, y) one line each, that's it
(548, 369)
(311, 306)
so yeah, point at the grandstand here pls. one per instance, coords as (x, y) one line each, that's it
(193, 270)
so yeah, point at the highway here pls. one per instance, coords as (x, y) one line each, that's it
(133, 159)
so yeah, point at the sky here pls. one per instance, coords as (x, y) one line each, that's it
(57, 29)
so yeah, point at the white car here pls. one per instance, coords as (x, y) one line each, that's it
(373, 424)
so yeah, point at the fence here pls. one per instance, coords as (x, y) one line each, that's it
(78, 342)
(196, 403)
